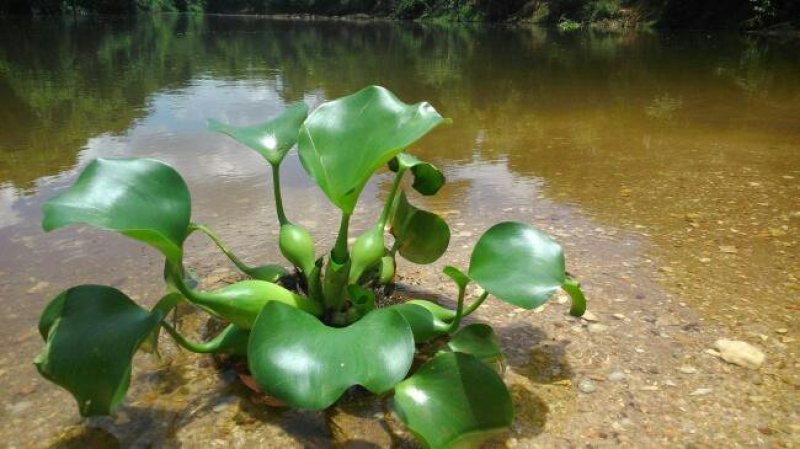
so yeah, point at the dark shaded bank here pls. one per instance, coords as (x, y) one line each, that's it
(741, 14)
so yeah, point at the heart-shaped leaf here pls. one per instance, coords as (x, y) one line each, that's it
(478, 340)
(344, 141)
(143, 199)
(427, 178)
(91, 334)
(454, 400)
(271, 139)
(297, 359)
(518, 264)
(422, 236)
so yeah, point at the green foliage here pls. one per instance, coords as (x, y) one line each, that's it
(602, 10)
(306, 346)
(568, 25)
(454, 400)
(141, 198)
(565, 13)
(301, 361)
(420, 236)
(273, 139)
(91, 333)
(343, 142)
(518, 264)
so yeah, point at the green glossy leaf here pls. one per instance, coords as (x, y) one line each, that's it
(269, 273)
(344, 141)
(424, 324)
(438, 311)
(92, 333)
(299, 360)
(573, 288)
(240, 303)
(428, 179)
(141, 198)
(518, 264)
(458, 276)
(164, 306)
(271, 139)
(422, 236)
(454, 400)
(478, 340)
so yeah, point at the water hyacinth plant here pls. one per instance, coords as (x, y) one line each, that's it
(308, 344)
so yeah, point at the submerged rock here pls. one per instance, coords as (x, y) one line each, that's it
(586, 386)
(740, 353)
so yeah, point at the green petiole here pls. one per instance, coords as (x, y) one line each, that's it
(232, 340)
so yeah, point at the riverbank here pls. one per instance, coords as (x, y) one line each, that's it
(570, 14)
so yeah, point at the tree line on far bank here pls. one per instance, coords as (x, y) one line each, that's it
(747, 14)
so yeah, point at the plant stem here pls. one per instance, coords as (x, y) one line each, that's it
(276, 189)
(210, 346)
(459, 310)
(174, 277)
(474, 306)
(387, 208)
(339, 252)
(215, 238)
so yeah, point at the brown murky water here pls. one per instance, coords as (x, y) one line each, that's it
(670, 157)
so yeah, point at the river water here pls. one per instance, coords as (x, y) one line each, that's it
(685, 147)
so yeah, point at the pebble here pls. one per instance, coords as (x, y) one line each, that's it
(620, 316)
(219, 408)
(596, 328)
(701, 392)
(782, 330)
(740, 353)
(19, 407)
(665, 321)
(586, 386)
(688, 370)
(730, 249)
(616, 376)
(41, 285)
(589, 316)
(223, 404)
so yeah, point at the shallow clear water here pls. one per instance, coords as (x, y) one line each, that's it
(691, 141)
